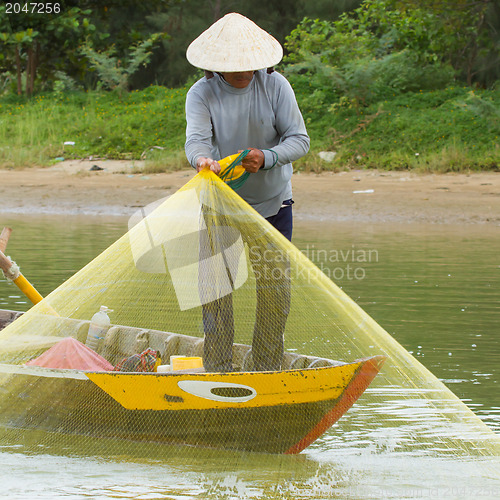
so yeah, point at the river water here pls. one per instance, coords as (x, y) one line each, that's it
(435, 288)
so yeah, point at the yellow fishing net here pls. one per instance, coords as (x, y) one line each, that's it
(204, 261)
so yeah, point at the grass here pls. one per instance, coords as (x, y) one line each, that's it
(100, 124)
(455, 129)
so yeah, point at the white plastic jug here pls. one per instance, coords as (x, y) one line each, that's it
(99, 325)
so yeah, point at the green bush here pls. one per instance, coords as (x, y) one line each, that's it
(338, 64)
(403, 71)
(115, 72)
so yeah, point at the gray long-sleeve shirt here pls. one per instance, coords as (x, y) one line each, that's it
(221, 120)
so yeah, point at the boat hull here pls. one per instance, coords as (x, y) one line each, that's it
(51, 400)
(274, 412)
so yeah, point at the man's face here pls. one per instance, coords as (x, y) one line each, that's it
(239, 80)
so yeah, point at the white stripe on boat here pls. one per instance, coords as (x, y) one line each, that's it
(39, 371)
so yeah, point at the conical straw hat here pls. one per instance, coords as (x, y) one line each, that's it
(234, 43)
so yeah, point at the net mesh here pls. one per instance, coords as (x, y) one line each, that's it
(202, 275)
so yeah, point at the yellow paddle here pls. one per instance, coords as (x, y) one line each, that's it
(12, 272)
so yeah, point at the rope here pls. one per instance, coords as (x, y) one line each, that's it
(228, 172)
(13, 272)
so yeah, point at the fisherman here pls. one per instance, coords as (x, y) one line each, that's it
(242, 103)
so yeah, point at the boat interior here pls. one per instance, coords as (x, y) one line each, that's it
(123, 341)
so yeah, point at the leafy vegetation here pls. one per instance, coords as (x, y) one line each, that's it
(461, 33)
(101, 124)
(455, 128)
(382, 83)
(115, 73)
(35, 46)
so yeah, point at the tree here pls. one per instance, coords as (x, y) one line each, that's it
(115, 73)
(15, 43)
(40, 44)
(463, 33)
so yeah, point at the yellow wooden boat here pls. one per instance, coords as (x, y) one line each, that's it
(275, 412)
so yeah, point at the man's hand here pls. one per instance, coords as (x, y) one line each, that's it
(204, 162)
(253, 160)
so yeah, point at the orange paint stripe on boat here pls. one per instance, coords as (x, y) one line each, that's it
(358, 385)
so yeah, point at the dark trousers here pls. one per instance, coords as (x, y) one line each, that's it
(271, 270)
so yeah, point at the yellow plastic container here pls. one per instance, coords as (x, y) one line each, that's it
(185, 362)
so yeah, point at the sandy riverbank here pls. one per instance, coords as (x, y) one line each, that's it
(363, 196)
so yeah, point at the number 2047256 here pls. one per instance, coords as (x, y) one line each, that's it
(32, 8)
